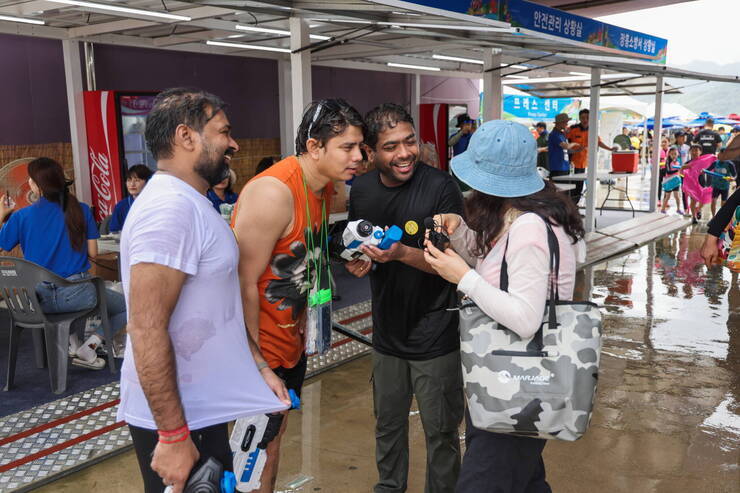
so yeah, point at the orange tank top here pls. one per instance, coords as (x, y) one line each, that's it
(284, 283)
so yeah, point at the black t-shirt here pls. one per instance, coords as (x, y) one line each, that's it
(410, 319)
(723, 217)
(709, 140)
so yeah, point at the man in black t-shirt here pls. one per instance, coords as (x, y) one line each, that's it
(415, 339)
(708, 139)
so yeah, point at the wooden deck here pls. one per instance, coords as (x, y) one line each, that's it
(622, 237)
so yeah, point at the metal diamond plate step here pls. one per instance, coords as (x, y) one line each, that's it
(42, 444)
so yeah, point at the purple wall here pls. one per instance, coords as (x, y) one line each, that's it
(363, 89)
(248, 85)
(32, 83)
(35, 107)
(451, 90)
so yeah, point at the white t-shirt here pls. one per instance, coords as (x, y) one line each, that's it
(171, 224)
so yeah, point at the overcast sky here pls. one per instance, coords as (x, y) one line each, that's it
(687, 26)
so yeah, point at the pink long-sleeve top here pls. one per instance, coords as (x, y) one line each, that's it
(528, 259)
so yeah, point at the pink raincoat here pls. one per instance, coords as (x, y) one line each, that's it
(691, 185)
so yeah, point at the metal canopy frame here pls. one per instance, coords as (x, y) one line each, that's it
(357, 34)
(363, 34)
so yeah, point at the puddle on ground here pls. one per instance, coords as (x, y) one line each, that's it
(672, 332)
(689, 307)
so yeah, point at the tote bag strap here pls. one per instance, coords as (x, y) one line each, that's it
(554, 295)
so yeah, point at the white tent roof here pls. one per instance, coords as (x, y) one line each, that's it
(623, 103)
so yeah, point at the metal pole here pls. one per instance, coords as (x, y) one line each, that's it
(287, 132)
(492, 89)
(657, 129)
(300, 68)
(415, 98)
(593, 149)
(76, 108)
(90, 66)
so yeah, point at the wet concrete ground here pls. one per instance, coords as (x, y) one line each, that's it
(667, 418)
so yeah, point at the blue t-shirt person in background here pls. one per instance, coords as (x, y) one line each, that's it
(136, 178)
(557, 145)
(58, 233)
(460, 140)
(222, 192)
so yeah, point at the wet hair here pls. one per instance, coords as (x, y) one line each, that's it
(383, 117)
(324, 120)
(140, 171)
(49, 177)
(485, 214)
(584, 110)
(264, 164)
(178, 106)
(541, 125)
(695, 146)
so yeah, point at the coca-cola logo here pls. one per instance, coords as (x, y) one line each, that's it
(101, 179)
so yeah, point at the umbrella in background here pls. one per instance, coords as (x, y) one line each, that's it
(700, 120)
(722, 120)
(669, 122)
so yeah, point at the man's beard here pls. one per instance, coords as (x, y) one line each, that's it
(212, 168)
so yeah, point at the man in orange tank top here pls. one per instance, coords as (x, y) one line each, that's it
(277, 220)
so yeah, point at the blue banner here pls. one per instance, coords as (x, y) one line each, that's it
(532, 108)
(535, 17)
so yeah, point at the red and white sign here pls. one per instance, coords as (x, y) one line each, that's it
(101, 123)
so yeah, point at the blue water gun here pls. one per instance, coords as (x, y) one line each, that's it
(249, 442)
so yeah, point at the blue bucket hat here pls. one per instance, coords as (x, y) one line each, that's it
(501, 160)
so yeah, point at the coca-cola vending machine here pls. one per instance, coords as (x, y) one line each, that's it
(115, 121)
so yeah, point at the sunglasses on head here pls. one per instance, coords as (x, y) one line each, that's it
(324, 103)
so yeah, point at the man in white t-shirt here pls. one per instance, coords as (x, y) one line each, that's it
(190, 367)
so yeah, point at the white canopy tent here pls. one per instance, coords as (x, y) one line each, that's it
(671, 110)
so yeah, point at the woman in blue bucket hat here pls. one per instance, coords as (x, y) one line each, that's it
(506, 217)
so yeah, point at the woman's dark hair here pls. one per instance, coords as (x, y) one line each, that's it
(176, 106)
(383, 117)
(49, 177)
(485, 214)
(264, 164)
(324, 120)
(140, 171)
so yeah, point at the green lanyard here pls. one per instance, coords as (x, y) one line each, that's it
(321, 296)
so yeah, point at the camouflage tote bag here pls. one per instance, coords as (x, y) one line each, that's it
(540, 387)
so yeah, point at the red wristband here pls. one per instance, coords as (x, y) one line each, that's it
(181, 439)
(173, 433)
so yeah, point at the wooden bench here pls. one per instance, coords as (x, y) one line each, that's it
(627, 235)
